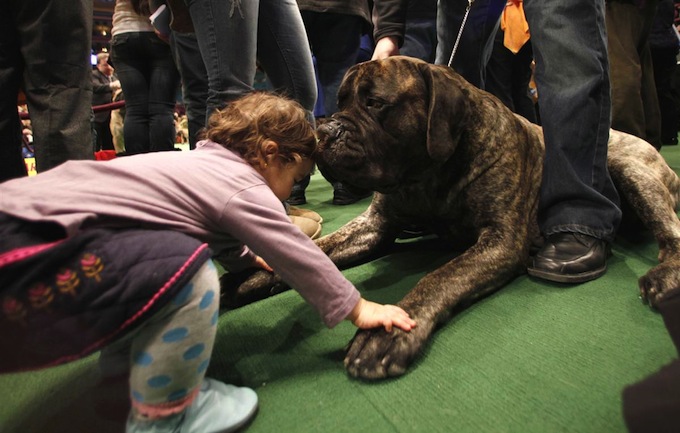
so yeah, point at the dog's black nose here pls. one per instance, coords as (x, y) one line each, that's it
(330, 130)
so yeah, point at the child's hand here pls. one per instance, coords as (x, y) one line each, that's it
(367, 314)
(260, 263)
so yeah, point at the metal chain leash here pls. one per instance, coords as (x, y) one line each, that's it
(460, 32)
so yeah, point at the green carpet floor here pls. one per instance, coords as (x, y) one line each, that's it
(534, 357)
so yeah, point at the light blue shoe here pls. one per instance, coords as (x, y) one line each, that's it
(218, 408)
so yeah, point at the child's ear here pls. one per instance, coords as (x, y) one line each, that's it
(270, 151)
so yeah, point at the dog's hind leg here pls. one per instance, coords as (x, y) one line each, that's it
(652, 189)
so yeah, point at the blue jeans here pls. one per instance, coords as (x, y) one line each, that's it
(150, 81)
(572, 77)
(233, 35)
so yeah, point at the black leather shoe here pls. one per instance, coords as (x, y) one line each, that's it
(570, 258)
(342, 195)
(297, 197)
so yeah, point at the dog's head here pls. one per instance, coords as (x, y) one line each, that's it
(397, 119)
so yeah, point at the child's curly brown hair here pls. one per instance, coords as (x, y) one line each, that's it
(244, 124)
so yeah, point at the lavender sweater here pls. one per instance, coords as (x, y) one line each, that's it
(209, 193)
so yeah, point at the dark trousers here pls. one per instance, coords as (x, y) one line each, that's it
(420, 39)
(665, 64)
(194, 81)
(335, 40)
(45, 48)
(635, 105)
(508, 76)
(104, 137)
(150, 82)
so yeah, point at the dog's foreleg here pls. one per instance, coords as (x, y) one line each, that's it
(484, 268)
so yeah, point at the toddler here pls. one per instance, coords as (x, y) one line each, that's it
(97, 252)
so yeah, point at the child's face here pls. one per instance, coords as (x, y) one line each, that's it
(281, 176)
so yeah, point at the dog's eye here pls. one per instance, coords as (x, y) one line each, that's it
(374, 103)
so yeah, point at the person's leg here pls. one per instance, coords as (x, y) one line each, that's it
(335, 40)
(132, 70)
(227, 34)
(194, 81)
(420, 39)
(577, 193)
(521, 73)
(108, 136)
(163, 86)
(104, 137)
(56, 40)
(284, 53)
(664, 60)
(650, 99)
(499, 72)
(627, 32)
(476, 41)
(11, 68)
(170, 354)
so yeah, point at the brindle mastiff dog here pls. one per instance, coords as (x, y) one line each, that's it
(443, 154)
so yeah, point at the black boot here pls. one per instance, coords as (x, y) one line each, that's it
(342, 195)
(297, 195)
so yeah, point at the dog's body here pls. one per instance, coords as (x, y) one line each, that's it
(445, 155)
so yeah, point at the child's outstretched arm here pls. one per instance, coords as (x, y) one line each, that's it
(367, 314)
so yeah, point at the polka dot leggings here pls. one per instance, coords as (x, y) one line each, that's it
(171, 351)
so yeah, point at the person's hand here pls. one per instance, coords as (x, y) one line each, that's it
(386, 47)
(114, 85)
(367, 314)
(260, 263)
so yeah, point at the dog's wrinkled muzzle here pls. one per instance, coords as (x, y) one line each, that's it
(329, 132)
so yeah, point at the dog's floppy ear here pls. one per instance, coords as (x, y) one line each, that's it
(445, 111)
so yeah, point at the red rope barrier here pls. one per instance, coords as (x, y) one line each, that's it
(110, 106)
(96, 108)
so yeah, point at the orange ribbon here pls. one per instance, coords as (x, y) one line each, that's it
(515, 26)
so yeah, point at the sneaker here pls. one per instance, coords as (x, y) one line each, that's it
(218, 408)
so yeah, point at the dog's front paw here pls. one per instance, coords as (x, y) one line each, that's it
(242, 289)
(378, 354)
(659, 281)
